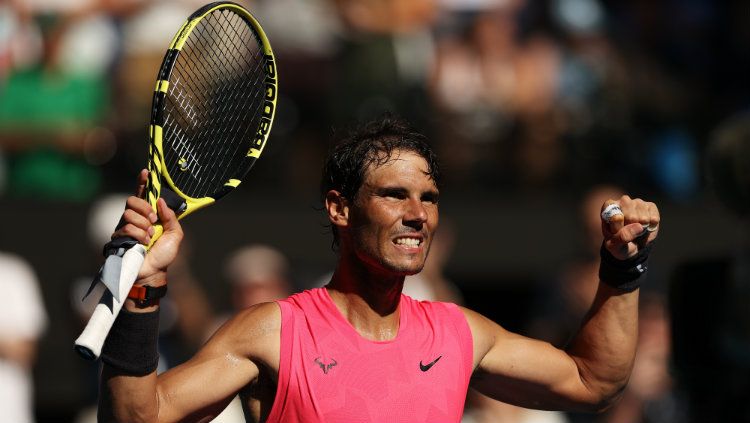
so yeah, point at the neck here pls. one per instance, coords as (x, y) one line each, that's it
(368, 298)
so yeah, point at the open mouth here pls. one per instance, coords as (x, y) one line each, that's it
(408, 242)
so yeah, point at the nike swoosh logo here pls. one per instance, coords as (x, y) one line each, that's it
(425, 368)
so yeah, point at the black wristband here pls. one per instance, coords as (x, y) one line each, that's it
(626, 275)
(131, 345)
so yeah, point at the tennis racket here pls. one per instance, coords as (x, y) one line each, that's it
(211, 115)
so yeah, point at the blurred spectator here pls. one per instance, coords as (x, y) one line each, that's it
(258, 274)
(56, 95)
(385, 58)
(473, 81)
(22, 321)
(709, 296)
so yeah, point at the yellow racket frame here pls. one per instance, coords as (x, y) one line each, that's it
(156, 167)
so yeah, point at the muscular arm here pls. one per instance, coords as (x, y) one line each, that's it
(199, 389)
(588, 375)
(594, 369)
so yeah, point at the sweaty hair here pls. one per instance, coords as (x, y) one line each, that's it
(372, 143)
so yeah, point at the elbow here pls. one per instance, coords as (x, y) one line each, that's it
(604, 399)
(125, 415)
(129, 415)
(126, 412)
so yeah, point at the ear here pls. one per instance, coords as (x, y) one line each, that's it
(337, 207)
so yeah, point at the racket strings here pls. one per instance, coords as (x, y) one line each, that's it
(214, 104)
(235, 91)
(256, 61)
(220, 77)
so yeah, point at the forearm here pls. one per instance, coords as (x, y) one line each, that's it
(126, 398)
(128, 388)
(604, 347)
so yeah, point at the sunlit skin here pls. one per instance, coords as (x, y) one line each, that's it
(397, 201)
(385, 233)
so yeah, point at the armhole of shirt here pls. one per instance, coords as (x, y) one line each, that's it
(465, 338)
(285, 356)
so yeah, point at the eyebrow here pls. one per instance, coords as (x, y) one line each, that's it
(383, 191)
(433, 194)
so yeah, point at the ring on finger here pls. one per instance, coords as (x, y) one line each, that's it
(611, 211)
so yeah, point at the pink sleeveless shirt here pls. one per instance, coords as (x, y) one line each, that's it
(329, 373)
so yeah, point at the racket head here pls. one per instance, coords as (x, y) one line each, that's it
(212, 110)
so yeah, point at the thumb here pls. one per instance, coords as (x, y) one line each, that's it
(621, 244)
(628, 233)
(167, 216)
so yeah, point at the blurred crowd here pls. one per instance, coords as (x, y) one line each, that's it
(584, 98)
(516, 94)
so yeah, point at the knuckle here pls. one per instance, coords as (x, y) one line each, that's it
(129, 214)
(132, 201)
(130, 230)
(133, 217)
(644, 217)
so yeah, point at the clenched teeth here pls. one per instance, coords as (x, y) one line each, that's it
(411, 242)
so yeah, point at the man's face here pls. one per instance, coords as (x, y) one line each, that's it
(394, 214)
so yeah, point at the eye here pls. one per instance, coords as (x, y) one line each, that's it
(397, 194)
(430, 197)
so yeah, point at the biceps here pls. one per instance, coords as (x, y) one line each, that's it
(203, 386)
(530, 373)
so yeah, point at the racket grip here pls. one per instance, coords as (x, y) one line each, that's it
(89, 344)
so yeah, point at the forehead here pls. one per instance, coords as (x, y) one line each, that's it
(401, 167)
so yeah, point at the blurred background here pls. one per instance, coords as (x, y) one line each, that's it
(539, 109)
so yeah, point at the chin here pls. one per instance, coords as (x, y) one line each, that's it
(404, 269)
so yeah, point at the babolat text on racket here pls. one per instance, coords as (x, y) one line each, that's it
(212, 111)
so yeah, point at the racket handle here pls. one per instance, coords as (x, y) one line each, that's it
(89, 343)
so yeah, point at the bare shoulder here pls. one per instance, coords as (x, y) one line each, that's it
(254, 333)
(485, 333)
(480, 325)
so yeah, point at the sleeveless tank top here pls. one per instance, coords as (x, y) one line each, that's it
(329, 373)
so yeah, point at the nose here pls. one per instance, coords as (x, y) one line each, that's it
(415, 215)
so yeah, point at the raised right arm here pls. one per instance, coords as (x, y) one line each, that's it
(200, 388)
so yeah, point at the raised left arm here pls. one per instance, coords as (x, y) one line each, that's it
(594, 369)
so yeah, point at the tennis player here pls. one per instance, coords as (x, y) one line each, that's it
(357, 350)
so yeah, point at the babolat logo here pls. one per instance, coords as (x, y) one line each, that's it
(267, 111)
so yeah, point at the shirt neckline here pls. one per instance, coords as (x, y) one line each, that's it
(336, 313)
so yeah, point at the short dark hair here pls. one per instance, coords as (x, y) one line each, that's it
(372, 143)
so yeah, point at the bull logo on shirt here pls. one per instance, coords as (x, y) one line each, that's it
(325, 366)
